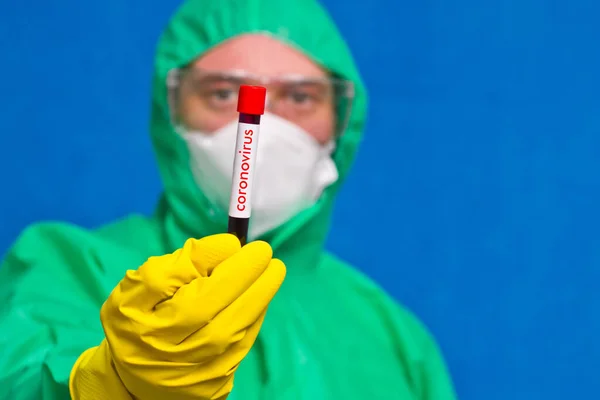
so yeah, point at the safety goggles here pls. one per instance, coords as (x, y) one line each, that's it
(197, 95)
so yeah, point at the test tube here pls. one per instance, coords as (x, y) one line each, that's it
(251, 105)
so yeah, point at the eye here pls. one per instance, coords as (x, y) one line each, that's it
(300, 100)
(300, 97)
(221, 98)
(222, 94)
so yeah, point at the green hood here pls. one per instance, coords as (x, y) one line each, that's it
(200, 25)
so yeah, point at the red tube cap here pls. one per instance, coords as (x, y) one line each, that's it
(251, 100)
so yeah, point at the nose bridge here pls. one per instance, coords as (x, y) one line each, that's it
(273, 96)
(271, 103)
(275, 106)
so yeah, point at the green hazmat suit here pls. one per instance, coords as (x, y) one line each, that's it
(330, 332)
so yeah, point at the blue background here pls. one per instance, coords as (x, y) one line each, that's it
(480, 167)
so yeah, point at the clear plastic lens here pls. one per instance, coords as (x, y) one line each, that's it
(203, 100)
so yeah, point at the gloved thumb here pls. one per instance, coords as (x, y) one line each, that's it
(210, 251)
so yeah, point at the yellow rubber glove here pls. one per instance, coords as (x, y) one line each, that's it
(178, 327)
(94, 376)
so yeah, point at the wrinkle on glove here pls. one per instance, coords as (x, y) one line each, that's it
(179, 326)
(93, 377)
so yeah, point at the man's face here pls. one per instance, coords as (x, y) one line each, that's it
(297, 88)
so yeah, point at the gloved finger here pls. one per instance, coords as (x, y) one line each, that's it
(229, 358)
(230, 325)
(247, 308)
(235, 324)
(210, 251)
(160, 277)
(203, 346)
(201, 377)
(202, 299)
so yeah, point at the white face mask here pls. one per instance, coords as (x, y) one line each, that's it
(292, 170)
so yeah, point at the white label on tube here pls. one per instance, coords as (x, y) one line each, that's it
(243, 170)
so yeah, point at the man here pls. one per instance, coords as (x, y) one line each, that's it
(187, 318)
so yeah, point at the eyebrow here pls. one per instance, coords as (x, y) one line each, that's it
(218, 78)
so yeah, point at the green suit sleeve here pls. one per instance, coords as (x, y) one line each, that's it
(51, 288)
(435, 382)
(428, 372)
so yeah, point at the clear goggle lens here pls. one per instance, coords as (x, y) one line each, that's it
(204, 100)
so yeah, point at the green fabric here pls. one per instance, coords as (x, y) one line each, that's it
(330, 332)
